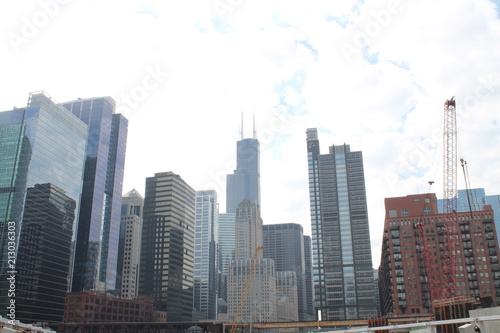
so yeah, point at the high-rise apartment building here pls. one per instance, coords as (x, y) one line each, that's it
(244, 183)
(167, 250)
(287, 308)
(99, 216)
(129, 249)
(342, 260)
(41, 168)
(206, 258)
(411, 268)
(284, 243)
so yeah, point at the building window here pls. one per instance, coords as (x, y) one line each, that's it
(404, 212)
(393, 213)
(427, 210)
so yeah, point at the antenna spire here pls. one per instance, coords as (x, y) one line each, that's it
(254, 133)
(241, 129)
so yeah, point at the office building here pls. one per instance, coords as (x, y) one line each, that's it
(284, 243)
(244, 183)
(226, 251)
(99, 216)
(287, 299)
(167, 251)
(308, 277)
(129, 249)
(41, 170)
(413, 258)
(254, 302)
(206, 258)
(342, 260)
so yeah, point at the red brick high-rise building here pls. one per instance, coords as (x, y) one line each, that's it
(412, 258)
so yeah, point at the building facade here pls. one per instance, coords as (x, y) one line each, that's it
(411, 270)
(167, 250)
(41, 170)
(342, 261)
(287, 299)
(99, 216)
(98, 307)
(244, 183)
(308, 277)
(206, 258)
(284, 243)
(226, 252)
(129, 248)
(253, 301)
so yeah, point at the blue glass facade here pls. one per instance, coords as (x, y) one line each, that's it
(41, 145)
(244, 183)
(98, 231)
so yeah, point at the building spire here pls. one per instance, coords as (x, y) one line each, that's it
(254, 133)
(241, 129)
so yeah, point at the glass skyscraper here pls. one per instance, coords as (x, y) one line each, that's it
(41, 167)
(342, 260)
(206, 259)
(244, 183)
(98, 230)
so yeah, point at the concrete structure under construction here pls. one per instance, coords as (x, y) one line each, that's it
(413, 256)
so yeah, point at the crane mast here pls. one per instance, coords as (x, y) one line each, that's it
(449, 199)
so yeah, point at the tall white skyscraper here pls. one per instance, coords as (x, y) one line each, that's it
(129, 249)
(206, 258)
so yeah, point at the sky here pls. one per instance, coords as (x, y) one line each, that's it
(373, 74)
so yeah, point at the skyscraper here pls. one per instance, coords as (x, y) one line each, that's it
(342, 260)
(206, 258)
(244, 183)
(167, 250)
(99, 216)
(284, 243)
(309, 312)
(41, 170)
(260, 305)
(129, 249)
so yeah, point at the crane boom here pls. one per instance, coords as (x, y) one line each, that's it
(449, 199)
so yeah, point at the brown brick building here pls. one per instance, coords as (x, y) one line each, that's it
(411, 267)
(97, 307)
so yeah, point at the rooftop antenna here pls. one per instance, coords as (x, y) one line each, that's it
(254, 133)
(241, 132)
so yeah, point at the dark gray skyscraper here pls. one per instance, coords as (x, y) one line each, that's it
(99, 216)
(342, 260)
(167, 250)
(244, 183)
(284, 243)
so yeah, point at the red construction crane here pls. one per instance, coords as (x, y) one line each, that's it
(450, 234)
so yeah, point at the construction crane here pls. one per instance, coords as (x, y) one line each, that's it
(449, 199)
(244, 295)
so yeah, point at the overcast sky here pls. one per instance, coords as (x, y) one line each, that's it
(373, 74)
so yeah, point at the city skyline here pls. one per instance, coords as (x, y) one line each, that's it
(371, 73)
